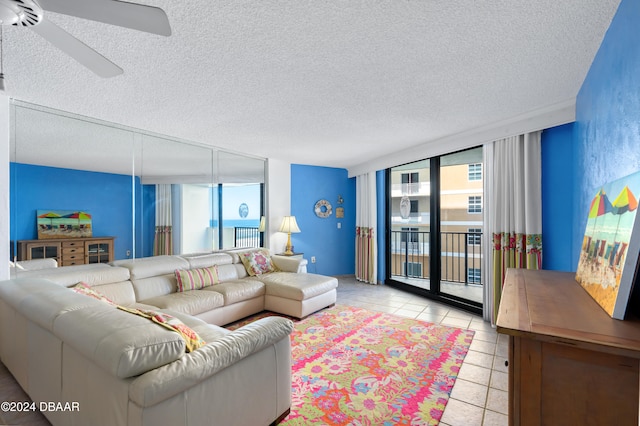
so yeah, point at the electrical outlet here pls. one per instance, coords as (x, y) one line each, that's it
(128, 253)
(313, 259)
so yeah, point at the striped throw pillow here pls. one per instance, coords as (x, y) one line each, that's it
(194, 279)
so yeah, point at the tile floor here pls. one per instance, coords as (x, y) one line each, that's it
(479, 396)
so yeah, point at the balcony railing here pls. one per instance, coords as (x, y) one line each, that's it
(461, 256)
(244, 236)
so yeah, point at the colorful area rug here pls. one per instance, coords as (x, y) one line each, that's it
(356, 367)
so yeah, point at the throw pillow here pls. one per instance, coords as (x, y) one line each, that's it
(194, 279)
(192, 339)
(257, 262)
(87, 290)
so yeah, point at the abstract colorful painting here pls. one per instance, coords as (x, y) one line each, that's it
(63, 224)
(607, 268)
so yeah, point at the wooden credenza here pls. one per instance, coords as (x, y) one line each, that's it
(570, 363)
(68, 251)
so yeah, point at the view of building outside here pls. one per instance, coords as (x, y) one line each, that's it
(461, 224)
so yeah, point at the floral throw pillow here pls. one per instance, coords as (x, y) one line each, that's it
(194, 279)
(192, 339)
(87, 290)
(257, 262)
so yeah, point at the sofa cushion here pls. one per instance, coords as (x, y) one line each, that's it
(152, 266)
(121, 293)
(296, 286)
(189, 302)
(92, 274)
(257, 262)
(83, 288)
(195, 279)
(210, 332)
(209, 259)
(160, 285)
(125, 345)
(191, 338)
(231, 272)
(238, 291)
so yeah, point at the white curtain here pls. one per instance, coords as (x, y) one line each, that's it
(366, 219)
(163, 241)
(513, 223)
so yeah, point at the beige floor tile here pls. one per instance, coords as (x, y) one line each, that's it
(485, 336)
(491, 418)
(499, 363)
(406, 313)
(470, 392)
(502, 350)
(461, 315)
(478, 323)
(474, 373)
(498, 401)
(430, 317)
(413, 307)
(455, 322)
(485, 347)
(499, 380)
(479, 359)
(459, 413)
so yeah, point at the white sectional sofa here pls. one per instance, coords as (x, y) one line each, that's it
(123, 369)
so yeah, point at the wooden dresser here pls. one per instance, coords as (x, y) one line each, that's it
(68, 251)
(570, 363)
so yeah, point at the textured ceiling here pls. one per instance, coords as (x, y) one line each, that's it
(330, 83)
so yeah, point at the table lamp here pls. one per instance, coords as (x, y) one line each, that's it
(289, 225)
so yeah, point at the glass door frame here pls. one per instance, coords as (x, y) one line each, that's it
(435, 243)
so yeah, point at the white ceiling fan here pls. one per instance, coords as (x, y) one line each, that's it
(31, 13)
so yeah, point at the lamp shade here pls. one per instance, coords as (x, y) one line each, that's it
(289, 225)
(263, 225)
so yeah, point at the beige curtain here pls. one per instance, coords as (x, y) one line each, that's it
(163, 241)
(366, 218)
(514, 212)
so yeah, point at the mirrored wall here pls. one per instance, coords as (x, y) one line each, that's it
(134, 193)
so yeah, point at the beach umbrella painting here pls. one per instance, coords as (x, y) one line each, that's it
(80, 216)
(50, 216)
(600, 205)
(624, 202)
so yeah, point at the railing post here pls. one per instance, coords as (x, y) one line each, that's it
(406, 255)
(466, 258)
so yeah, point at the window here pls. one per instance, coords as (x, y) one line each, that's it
(409, 234)
(474, 236)
(474, 275)
(414, 206)
(410, 183)
(475, 204)
(412, 269)
(475, 171)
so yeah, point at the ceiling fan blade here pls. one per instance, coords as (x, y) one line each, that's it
(76, 49)
(123, 14)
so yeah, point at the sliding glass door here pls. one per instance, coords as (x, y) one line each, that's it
(436, 226)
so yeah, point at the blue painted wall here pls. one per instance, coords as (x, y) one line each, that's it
(607, 133)
(333, 248)
(108, 197)
(557, 197)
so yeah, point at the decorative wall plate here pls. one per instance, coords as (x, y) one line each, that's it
(323, 208)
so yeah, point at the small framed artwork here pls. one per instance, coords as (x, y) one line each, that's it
(63, 224)
(339, 212)
(608, 265)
